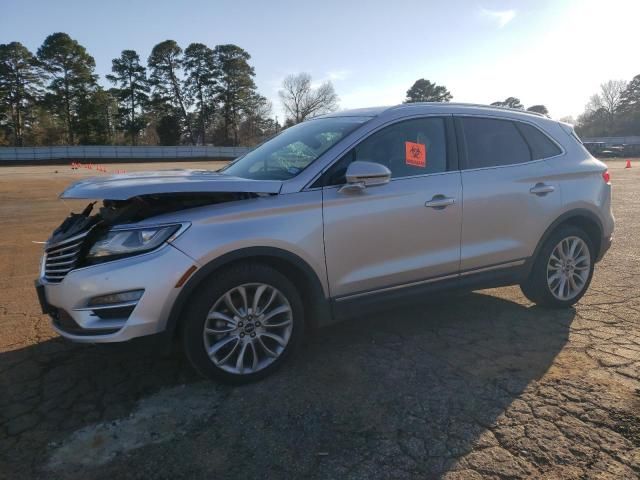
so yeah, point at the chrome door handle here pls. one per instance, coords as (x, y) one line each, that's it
(542, 189)
(440, 202)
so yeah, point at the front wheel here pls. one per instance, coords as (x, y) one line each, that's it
(243, 323)
(563, 269)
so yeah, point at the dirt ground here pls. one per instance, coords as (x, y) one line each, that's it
(479, 386)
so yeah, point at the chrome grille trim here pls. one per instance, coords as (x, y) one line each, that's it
(66, 255)
(57, 264)
(63, 248)
(62, 257)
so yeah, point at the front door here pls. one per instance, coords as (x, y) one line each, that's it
(402, 233)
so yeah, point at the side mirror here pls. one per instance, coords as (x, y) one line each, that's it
(365, 174)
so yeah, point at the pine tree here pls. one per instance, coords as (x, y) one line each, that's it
(236, 89)
(132, 92)
(70, 71)
(19, 87)
(425, 91)
(201, 83)
(165, 63)
(538, 109)
(510, 102)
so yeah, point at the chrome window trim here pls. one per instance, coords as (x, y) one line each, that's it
(511, 165)
(424, 175)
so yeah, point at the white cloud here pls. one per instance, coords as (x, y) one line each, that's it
(384, 94)
(275, 83)
(338, 75)
(502, 17)
(331, 76)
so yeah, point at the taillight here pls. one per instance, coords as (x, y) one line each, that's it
(606, 176)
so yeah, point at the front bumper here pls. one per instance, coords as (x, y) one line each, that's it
(156, 273)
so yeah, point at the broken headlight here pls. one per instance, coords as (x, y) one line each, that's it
(124, 242)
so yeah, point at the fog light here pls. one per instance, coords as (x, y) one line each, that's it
(116, 298)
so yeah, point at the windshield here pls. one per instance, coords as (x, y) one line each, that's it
(293, 150)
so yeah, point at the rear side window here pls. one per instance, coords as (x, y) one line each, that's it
(575, 135)
(491, 142)
(541, 145)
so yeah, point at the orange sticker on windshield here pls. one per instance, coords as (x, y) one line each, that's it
(415, 154)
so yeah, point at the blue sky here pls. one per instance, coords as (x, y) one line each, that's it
(542, 51)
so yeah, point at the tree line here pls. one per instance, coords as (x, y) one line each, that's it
(613, 111)
(199, 95)
(426, 91)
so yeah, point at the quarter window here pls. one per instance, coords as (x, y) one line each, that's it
(491, 142)
(541, 145)
(408, 148)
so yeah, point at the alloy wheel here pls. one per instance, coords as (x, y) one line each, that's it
(248, 328)
(568, 268)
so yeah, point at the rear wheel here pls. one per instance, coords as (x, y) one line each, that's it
(243, 324)
(563, 269)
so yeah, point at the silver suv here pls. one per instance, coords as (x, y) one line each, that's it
(332, 217)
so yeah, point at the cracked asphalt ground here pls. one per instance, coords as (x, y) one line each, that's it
(484, 385)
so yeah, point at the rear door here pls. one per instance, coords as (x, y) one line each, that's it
(405, 231)
(510, 195)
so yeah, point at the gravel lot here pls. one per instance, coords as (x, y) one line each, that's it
(478, 386)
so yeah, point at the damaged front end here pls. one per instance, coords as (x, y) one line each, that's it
(92, 237)
(87, 238)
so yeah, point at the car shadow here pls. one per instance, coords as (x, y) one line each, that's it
(405, 390)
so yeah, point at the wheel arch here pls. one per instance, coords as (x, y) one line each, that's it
(317, 306)
(582, 218)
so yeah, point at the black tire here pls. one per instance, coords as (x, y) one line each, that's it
(213, 289)
(536, 289)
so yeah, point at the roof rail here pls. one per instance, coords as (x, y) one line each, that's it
(461, 104)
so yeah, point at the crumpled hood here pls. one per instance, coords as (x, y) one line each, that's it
(126, 186)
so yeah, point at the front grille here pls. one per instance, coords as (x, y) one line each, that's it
(61, 258)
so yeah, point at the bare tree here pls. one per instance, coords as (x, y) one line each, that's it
(594, 104)
(611, 94)
(608, 98)
(301, 101)
(601, 112)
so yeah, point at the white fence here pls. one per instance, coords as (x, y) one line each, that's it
(98, 152)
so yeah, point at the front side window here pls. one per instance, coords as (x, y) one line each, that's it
(491, 142)
(286, 155)
(407, 148)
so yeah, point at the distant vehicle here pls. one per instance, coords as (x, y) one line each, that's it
(595, 148)
(613, 151)
(334, 217)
